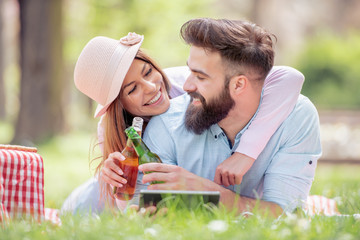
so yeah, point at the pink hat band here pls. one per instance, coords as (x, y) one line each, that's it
(102, 66)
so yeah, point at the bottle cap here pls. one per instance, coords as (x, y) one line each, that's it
(137, 123)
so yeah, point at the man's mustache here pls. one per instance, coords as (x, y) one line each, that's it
(197, 95)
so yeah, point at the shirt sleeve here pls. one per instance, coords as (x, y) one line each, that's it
(281, 90)
(289, 176)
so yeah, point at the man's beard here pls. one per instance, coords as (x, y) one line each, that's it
(200, 118)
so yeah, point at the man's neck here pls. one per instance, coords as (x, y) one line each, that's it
(238, 118)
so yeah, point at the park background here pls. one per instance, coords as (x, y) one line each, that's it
(40, 41)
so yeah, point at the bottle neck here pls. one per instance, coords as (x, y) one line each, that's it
(140, 147)
(129, 143)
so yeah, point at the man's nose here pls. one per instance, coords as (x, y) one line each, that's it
(189, 85)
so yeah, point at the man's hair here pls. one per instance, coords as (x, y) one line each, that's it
(244, 47)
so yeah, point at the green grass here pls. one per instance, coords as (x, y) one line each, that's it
(66, 160)
(66, 165)
(188, 225)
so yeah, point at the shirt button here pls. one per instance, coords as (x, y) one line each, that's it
(310, 162)
(215, 136)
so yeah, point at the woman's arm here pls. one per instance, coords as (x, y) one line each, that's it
(281, 90)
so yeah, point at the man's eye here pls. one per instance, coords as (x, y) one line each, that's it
(199, 77)
(132, 90)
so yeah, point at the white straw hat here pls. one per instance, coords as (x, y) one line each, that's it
(102, 66)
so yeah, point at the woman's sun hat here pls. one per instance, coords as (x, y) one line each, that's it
(102, 66)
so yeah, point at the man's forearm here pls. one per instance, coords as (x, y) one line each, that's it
(232, 201)
(178, 178)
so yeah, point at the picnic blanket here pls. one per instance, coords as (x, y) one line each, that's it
(22, 183)
(320, 205)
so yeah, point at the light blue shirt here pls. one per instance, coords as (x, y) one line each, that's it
(284, 171)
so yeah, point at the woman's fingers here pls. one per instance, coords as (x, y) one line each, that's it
(112, 162)
(114, 180)
(116, 155)
(113, 165)
(111, 172)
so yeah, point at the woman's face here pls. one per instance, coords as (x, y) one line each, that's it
(143, 92)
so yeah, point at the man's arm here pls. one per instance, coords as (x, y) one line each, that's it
(288, 178)
(177, 178)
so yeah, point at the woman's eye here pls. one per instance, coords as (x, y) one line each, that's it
(148, 72)
(132, 90)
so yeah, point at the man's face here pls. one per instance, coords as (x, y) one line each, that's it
(210, 99)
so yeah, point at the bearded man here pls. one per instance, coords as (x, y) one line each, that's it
(229, 61)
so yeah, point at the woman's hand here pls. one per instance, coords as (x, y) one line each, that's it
(111, 172)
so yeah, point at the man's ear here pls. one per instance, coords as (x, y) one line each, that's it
(238, 84)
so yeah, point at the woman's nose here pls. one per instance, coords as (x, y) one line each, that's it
(149, 86)
(189, 85)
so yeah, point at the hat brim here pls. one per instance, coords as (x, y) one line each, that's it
(100, 110)
(121, 70)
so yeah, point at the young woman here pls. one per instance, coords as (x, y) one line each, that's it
(126, 82)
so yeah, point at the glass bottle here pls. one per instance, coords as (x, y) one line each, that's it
(129, 166)
(143, 152)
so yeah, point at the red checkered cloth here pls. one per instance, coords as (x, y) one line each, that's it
(320, 205)
(22, 182)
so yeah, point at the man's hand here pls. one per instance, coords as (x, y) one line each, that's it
(174, 178)
(111, 172)
(177, 178)
(232, 170)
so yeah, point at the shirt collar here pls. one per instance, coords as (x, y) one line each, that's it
(216, 131)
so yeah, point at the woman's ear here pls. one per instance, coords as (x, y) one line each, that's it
(238, 84)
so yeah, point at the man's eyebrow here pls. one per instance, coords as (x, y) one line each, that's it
(197, 71)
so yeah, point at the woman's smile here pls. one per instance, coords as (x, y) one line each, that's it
(156, 99)
(144, 92)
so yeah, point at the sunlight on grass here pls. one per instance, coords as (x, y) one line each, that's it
(182, 224)
(330, 179)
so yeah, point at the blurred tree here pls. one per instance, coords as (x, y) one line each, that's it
(40, 114)
(330, 64)
(2, 85)
(256, 11)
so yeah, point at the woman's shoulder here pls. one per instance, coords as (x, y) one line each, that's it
(176, 112)
(177, 77)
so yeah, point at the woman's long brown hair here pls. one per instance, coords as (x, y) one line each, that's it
(116, 120)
